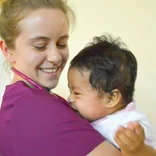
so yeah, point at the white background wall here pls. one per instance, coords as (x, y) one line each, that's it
(135, 22)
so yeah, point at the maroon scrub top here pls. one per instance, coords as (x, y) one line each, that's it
(36, 123)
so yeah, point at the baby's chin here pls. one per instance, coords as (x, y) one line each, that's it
(78, 113)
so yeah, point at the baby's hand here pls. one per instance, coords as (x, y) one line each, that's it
(130, 139)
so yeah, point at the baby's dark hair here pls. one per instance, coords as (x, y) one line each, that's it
(111, 66)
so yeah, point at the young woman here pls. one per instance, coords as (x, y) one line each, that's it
(34, 122)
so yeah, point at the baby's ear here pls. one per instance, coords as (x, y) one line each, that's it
(8, 53)
(113, 98)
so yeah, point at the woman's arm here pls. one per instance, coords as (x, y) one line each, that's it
(105, 149)
(144, 150)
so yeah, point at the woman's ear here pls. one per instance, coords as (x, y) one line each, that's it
(8, 53)
(113, 98)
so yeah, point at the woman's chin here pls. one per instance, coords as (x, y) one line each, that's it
(50, 85)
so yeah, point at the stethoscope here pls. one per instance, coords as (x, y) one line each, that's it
(35, 84)
(28, 79)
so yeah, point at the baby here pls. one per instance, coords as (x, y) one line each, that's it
(101, 79)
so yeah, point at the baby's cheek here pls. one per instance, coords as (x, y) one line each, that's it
(73, 105)
(91, 114)
(84, 112)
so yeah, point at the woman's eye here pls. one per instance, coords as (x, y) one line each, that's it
(76, 93)
(61, 46)
(40, 47)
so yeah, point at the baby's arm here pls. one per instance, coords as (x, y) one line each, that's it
(131, 141)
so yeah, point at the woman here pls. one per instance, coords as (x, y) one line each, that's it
(32, 121)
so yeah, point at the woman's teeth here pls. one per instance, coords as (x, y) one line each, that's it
(49, 70)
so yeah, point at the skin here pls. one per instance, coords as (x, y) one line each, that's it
(41, 52)
(83, 98)
(86, 100)
(132, 144)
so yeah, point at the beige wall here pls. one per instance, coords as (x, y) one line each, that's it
(135, 22)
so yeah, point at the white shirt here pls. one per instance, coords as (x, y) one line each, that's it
(108, 125)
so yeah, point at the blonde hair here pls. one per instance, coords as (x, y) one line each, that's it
(13, 11)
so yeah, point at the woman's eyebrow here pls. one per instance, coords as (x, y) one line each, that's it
(64, 37)
(36, 38)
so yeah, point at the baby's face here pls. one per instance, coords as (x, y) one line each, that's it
(83, 98)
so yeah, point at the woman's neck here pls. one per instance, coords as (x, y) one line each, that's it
(18, 78)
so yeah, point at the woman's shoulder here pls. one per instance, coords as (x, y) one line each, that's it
(20, 95)
(20, 89)
(16, 88)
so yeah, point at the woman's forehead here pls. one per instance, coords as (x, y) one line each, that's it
(45, 22)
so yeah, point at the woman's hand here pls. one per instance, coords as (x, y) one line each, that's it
(130, 139)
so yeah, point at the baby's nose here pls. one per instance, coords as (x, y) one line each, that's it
(70, 99)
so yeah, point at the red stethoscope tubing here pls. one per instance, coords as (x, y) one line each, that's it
(28, 79)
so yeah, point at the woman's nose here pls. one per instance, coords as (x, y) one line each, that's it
(54, 55)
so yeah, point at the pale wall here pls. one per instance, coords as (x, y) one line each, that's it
(135, 22)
